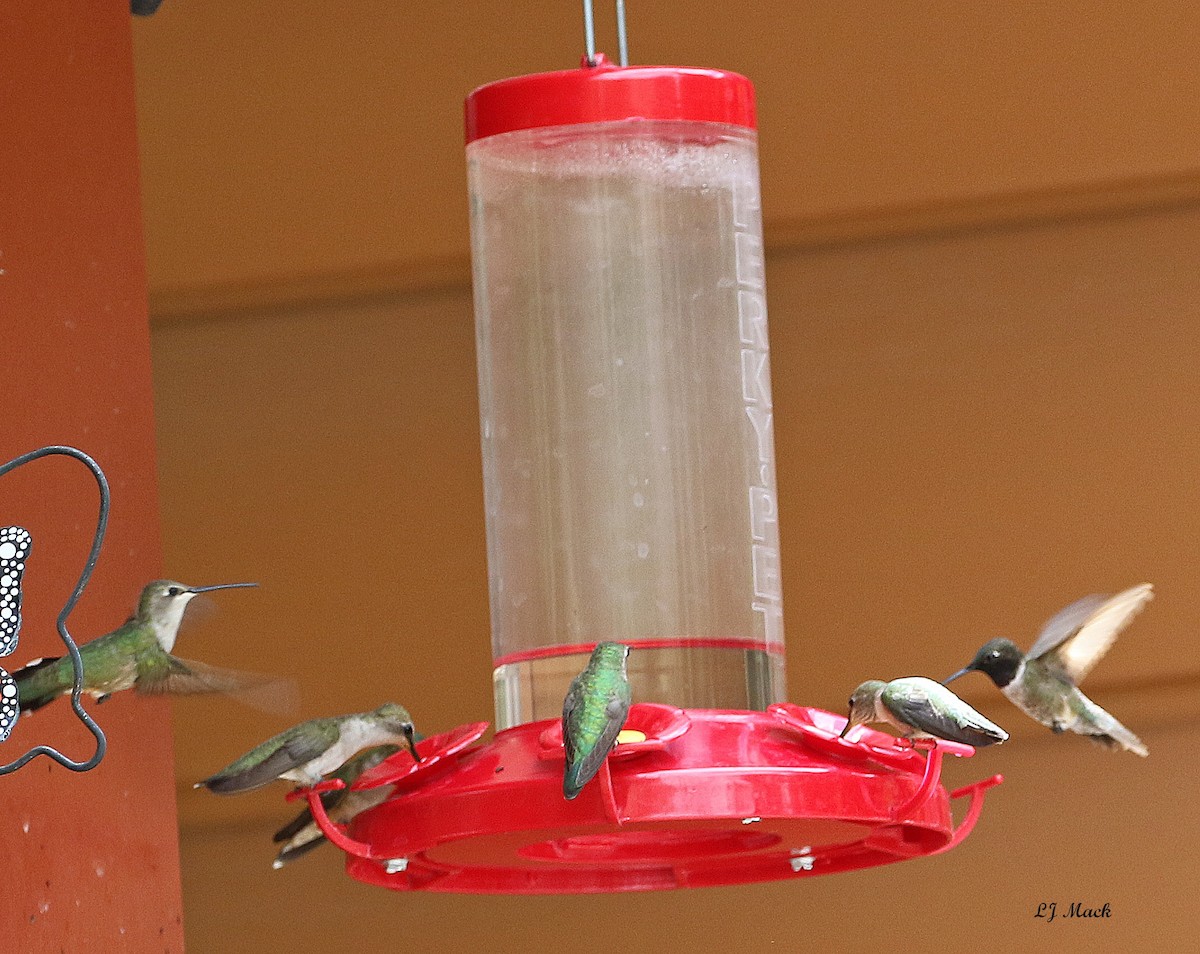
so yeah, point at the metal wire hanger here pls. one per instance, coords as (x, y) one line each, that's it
(589, 33)
(63, 632)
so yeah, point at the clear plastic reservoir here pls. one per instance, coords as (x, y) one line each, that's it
(629, 466)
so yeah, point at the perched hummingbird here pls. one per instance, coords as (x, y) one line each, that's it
(594, 711)
(302, 834)
(921, 708)
(1043, 683)
(307, 752)
(136, 655)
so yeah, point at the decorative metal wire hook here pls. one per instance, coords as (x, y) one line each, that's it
(622, 38)
(589, 33)
(72, 649)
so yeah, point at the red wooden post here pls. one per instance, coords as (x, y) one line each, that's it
(87, 861)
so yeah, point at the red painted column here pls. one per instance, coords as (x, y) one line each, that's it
(87, 861)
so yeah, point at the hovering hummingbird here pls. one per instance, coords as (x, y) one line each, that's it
(921, 708)
(302, 834)
(594, 711)
(307, 752)
(136, 655)
(1043, 683)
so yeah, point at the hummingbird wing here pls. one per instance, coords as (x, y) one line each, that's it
(932, 708)
(591, 733)
(267, 762)
(1077, 637)
(187, 677)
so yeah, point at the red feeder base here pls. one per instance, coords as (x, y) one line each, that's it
(711, 797)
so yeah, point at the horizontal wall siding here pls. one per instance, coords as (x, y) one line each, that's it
(973, 428)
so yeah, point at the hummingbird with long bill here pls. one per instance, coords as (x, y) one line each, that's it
(136, 655)
(302, 834)
(921, 709)
(594, 711)
(1044, 682)
(307, 752)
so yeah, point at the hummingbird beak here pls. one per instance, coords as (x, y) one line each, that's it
(961, 672)
(412, 745)
(851, 722)
(219, 586)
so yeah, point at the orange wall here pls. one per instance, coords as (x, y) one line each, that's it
(88, 862)
(972, 430)
(281, 142)
(975, 424)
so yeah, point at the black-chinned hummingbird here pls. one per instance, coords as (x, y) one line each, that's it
(302, 834)
(307, 752)
(594, 710)
(921, 708)
(1043, 683)
(136, 655)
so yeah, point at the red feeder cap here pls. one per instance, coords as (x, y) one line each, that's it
(608, 93)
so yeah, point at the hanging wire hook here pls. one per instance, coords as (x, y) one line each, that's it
(589, 33)
(622, 40)
(72, 649)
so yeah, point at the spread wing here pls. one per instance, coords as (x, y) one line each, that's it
(1077, 637)
(186, 677)
(264, 764)
(937, 711)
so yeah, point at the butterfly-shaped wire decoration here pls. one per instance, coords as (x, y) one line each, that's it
(15, 544)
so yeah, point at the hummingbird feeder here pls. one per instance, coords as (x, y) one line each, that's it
(629, 478)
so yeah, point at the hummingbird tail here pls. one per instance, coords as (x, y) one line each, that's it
(294, 827)
(35, 691)
(33, 666)
(301, 845)
(29, 708)
(573, 780)
(1106, 731)
(231, 785)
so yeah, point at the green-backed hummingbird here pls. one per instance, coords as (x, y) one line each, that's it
(301, 835)
(921, 708)
(136, 655)
(1043, 683)
(307, 752)
(594, 711)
